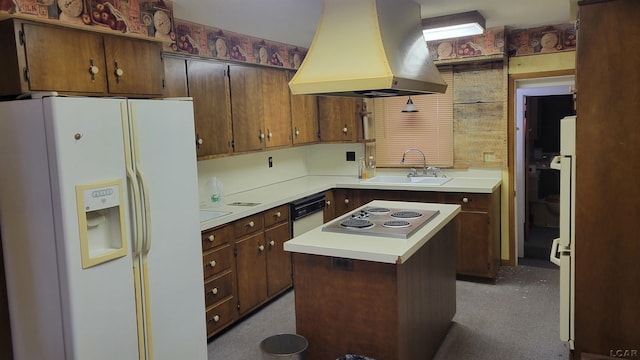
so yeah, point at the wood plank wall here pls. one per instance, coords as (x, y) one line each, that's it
(480, 115)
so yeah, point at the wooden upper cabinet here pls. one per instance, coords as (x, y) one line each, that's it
(247, 105)
(304, 118)
(133, 66)
(60, 59)
(175, 77)
(42, 57)
(276, 107)
(339, 118)
(209, 88)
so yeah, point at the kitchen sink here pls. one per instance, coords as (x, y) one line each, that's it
(206, 215)
(403, 179)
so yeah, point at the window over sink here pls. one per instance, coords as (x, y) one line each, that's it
(430, 129)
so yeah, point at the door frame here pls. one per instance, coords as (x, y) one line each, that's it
(521, 85)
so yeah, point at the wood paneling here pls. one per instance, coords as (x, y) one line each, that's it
(607, 270)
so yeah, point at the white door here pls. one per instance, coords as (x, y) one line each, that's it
(166, 159)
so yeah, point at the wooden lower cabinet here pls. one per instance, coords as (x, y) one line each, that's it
(218, 265)
(245, 266)
(477, 238)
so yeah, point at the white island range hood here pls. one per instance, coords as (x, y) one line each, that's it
(368, 48)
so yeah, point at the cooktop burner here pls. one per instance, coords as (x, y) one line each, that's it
(406, 214)
(396, 224)
(357, 223)
(380, 221)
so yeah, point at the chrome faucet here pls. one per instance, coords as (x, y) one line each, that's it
(424, 162)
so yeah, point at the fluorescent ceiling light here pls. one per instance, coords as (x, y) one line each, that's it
(451, 26)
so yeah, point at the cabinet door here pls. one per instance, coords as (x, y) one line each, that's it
(251, 265)
(246, 105)
(279, 275)
(345, 201)
(473, 244)
(133, 66)
(337, 117)
(60, 59)
(277, 107)
(304, 118)
(175, 77)
(329, 212)
(209, 88)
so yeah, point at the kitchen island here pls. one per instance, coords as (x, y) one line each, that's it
(382, 297)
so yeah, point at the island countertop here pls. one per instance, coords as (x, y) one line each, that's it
(374, 248)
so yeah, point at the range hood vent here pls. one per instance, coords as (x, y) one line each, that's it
(368, 48)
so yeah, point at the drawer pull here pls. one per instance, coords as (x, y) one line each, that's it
(212, 237)
(214, 291)
(346, 201)
(251, 224)
(261, 247)
(216, 318)
(212, 263)
(272, 243)
(277, 215)
(465, 200)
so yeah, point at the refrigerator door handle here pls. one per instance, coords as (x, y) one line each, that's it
(556, 162)
(131, 176)
(554, 256)
(145, 218)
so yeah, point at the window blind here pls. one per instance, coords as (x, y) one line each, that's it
(430, 129)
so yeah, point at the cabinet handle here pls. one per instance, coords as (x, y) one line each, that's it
(214, 291)
(269, 134)
(216, 318)
(212, 237)
(251, 224)
(346, 201)
(272, 243)
(277, 215)
(261, 247)
(118, 72)
(344, 129)
(200, 141)
(465, 200)
(297, 132)
(261, 136)
(212, 263)
(93, 70)
(328, 203)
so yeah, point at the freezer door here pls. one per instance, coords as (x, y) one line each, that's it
(566, 296)
(85, 146)
(165, 157)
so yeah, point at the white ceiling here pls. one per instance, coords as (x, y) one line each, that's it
(294, 21)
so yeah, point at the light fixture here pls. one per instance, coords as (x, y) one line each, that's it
(451, 26)
(409, 107)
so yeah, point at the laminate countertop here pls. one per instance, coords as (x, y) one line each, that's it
(374, 248)
(269, 196)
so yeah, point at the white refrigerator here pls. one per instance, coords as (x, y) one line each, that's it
(100, 229)
(564, 247)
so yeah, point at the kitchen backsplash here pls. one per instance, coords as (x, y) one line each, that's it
(244, 172)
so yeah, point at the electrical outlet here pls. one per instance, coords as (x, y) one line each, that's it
(351, 156)
(270, 161)
(489, 156)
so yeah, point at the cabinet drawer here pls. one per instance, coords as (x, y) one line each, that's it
(215, 237)
(276, 215)
(469, 201)
(217, 260)
(221, 315)
(218, 289)
(248, 225)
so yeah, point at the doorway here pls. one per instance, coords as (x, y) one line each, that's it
(545, 92)
(542, 183)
